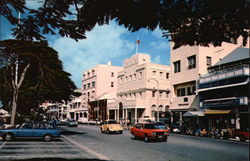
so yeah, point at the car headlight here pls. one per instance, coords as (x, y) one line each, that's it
(165, 133)
(110, 128)
(154, 133)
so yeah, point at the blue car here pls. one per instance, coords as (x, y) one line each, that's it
(46, 131)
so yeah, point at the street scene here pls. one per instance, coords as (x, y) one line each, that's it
(86, 141)
(124, 80)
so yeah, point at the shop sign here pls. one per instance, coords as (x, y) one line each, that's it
(222, 102)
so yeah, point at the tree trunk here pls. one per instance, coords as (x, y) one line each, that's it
(15, 95)
(14, 106)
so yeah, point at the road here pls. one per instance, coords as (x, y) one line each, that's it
(86, 141)
(178, 147)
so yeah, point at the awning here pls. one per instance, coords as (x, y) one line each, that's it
(215, 112)
(193, 113)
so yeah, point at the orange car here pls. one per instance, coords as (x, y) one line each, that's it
(149, 131)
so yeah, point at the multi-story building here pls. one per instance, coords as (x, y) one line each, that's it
(97, 81)
(224, 92)
(75, 107)
(187, 64)
(143, 91)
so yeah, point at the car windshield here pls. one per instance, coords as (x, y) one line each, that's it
(151, 126)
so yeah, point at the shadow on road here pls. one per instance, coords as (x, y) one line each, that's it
(67, 132)
(56, 159)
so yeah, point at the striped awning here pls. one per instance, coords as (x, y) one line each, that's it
(215, 112)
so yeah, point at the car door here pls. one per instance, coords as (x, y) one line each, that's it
(38, 129)
(137, 130)
(25, 130)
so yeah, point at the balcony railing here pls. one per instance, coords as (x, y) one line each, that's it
(230, 73)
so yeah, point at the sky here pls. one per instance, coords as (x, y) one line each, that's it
(103, 44)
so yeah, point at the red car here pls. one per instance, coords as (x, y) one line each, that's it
(149, 131)
(243, 135)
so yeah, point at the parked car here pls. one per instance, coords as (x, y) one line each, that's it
(243, 135)
(62, 122)
(149, 131)
(72, 122)
(43, 130)
(110, 126)
(83, 120)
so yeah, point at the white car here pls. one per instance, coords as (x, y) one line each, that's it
(83, 120)
(72, 122)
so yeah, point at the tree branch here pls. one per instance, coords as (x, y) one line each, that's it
(23, 75)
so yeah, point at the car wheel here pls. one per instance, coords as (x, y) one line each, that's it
(165, 140)
(101, 130)
(133, 136)
(47, 137)
(121, 132)
(8, 137)
(146, 138)
(108, 132)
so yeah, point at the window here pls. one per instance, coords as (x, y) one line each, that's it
(140, 95)
(181, 92)
(130, 77)
(177, 66)
(88, 85)
(153, 93)
(161, 94)
(154, 72)
(134, 76)
(140, 75)
(84, 86)
(93, 72)
(83, 76)
(120, 80)
(209, 61)
(93, 84)
(161, 73)
(167, 75)
(189, 91)
(112, 84)
(88, 74)
(193, 90)
(192, 62)
(112, 74)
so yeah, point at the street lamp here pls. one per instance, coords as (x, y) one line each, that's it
(158, 96)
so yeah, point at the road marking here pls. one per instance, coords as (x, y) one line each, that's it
(100, 156)
(2, 145)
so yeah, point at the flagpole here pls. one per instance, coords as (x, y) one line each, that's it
(137, 45)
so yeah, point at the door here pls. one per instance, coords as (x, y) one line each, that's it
(38, 129)
(25, 130)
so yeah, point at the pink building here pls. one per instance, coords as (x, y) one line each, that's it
(188, 63)
(96, 82)
(143, 91)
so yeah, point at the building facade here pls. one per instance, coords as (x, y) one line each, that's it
(187, 64)
(143, 91)
(224, 92)
(96, 82)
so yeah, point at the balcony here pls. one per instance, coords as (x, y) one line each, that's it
(222, 102)
(231, 76)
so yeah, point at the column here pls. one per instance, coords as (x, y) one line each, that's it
(115, 115)
(118, 117)
(123, 114)
(237, 120)
(107, 114)
(180, 114)
(172, 118)
(135, 115)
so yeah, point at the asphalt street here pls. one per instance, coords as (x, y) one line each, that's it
(178, 147)
(87, 141)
